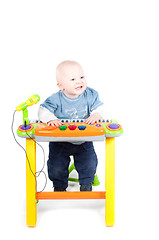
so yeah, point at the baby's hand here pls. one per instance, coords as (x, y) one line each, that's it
(93, 118)
(54, 123)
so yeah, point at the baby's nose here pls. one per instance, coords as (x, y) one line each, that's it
(79, 80)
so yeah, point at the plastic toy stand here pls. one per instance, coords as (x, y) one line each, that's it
(31, 208)
(32, 196)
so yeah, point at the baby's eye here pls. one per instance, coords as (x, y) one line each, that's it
(82, 77)
(72, 79)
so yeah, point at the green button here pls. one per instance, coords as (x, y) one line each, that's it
(62, 128)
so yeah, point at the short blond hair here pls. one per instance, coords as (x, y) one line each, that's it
(61, 67)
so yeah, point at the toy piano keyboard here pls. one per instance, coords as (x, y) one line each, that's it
(71, 130)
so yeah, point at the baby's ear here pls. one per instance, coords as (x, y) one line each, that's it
(59, 85)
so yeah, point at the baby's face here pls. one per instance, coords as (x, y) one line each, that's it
(72, 81)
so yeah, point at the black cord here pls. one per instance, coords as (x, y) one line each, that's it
(37, 174)
(41, 171)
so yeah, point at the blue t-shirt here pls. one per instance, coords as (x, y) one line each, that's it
(64, 107)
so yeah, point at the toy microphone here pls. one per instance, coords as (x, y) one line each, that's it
(30, 101)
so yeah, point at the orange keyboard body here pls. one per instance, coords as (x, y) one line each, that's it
(70, 132)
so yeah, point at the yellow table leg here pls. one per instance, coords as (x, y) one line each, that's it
(110, 182)
(31, 209)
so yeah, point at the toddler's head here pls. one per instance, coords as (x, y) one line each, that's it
(70, 78)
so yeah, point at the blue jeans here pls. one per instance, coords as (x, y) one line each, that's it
(85, 161)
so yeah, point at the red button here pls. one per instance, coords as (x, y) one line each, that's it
(72, 127)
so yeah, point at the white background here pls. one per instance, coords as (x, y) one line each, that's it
(117, 43)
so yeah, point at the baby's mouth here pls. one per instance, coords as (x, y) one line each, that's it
(79, 87)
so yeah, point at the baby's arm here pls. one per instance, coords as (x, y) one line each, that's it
(93, 118)
(47, 117)
(96, 115)
(54, 123)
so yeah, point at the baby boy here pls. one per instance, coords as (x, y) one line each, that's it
(74, 100)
